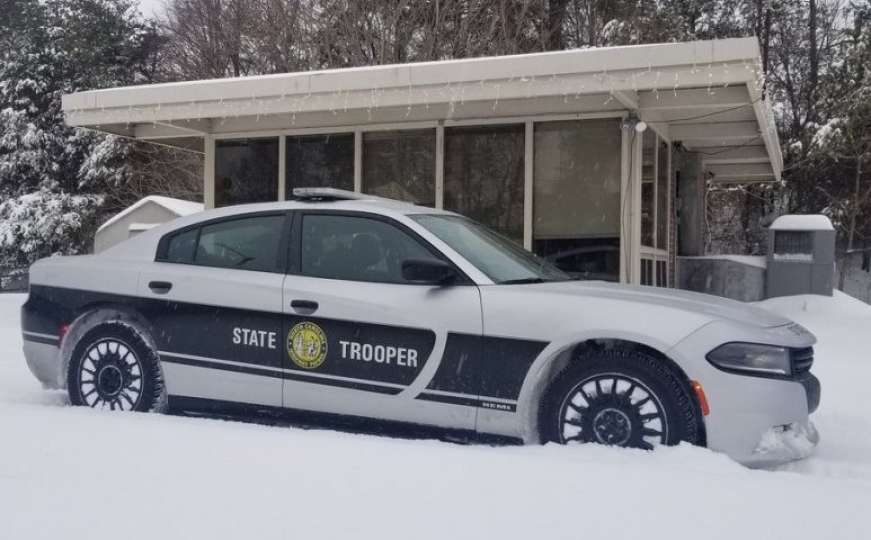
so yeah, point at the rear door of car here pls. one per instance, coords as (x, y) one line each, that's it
(214, 298)
(360, 340)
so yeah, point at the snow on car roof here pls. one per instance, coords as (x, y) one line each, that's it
(803, 222)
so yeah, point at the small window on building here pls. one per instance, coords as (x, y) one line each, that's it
(793, 245)
(400, 165)
(180, 248)
(357, 249)
(661, 277)
(246, 171)
(250, 243)
(320, 161)
(647, 271)
(484, 170)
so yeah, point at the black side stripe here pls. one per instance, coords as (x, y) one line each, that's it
(41, 339)
(280, 375)
(469, 401)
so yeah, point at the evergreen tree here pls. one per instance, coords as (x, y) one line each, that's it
(52, 176)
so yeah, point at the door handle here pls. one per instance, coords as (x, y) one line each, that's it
(304, 305)
(160, 287)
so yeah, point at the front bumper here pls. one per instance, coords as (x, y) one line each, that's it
(757, 421)
(781, 444)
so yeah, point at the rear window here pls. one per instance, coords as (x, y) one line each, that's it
(181, 247)
(247, 243)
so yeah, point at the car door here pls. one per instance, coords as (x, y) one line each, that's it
(361, 340)
(214, 299)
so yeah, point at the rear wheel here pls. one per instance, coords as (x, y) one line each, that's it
(112, 367)
(619, 398)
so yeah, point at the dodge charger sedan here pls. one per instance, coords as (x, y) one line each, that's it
(338, 303)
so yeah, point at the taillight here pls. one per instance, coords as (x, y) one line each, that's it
(64, 329)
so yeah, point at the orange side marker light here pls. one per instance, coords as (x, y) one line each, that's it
(703, 399)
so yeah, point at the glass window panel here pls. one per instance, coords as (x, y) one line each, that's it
(357, 249)
(245, 244)
(181, 247)
(648, 179)
(320, 161)
(400, 165)
(662, 191)
(660, 274)
(576, 206)
(246, 171)
(484, 176)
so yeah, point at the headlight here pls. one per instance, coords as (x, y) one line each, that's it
(752, 357)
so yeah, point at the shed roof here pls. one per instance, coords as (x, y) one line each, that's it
(178, 207)
(705, 94)
(802, 222)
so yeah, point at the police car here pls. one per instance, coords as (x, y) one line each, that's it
(352, 305)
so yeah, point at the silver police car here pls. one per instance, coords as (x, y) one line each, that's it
(352, 305)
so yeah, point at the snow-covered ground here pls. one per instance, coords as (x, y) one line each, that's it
(76, 473)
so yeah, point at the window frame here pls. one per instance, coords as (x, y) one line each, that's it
(294, 261)
(285, 236)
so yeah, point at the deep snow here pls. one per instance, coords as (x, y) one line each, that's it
(77, 473)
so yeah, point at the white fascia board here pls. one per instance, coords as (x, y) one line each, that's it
(768, 130)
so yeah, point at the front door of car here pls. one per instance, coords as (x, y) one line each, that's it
(361, 340)
(214, 299)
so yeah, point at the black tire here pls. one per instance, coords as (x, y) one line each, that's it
(113, 367)
(652, 405)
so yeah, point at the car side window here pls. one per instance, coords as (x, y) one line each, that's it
(180, 248)
(357, 249)
(250, 243)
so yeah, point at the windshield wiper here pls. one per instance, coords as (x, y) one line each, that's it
(521, 281)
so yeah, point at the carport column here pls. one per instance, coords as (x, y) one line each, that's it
(282, 167)
(440, 166)
(358, 161)
(630, 207)
(635, 216)
(209, 171)
(528, 172)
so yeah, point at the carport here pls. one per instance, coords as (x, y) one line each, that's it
(546, 148)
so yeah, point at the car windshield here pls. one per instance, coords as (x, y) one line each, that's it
(500, 259)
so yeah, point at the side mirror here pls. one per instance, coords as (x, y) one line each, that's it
(428, 272)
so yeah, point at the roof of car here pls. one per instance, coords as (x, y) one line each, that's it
(143, 244)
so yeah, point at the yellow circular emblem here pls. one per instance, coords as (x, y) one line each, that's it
(307, 345)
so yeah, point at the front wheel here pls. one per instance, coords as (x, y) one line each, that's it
(620, 398)
(112, 367)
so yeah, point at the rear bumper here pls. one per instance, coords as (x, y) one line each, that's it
(43, 360)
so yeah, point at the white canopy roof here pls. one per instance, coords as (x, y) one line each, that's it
(705, 94)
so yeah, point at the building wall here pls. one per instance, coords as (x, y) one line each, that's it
(120, 230)
(722, 277)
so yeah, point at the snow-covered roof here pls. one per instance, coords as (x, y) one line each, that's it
(178, 207)
(803, 222)
(705, 94)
